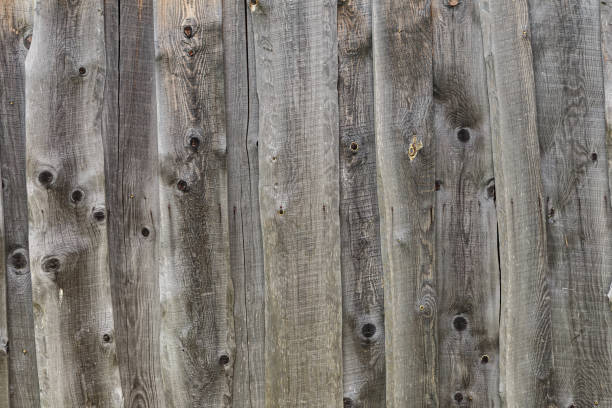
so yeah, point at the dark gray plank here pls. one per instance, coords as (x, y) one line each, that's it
(565, 38)
(466, 224)
(4, 341)
(363, 338)
(246, 248)
(15, 39)
(525, 326)
(197, 337)
(297, 71)
(132, 189)
(405, 145)
(65, 180)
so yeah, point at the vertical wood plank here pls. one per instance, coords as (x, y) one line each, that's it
(197, 336)
(132, 189)
(466, 224)
(567, 63)
(246, 248)
(363, 339)
(15, 40)
(4, 340)
(65, 72)
(297, 71)
(405, 146)
(525, 326)
(606, 48)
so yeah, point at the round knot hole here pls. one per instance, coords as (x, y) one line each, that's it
(188, 31)
(99, 215)
(76, 196)
(368, 330)
(347, 402)
(224, 360)
(594, 156)
(45, 178)
(463, 135)
(106, 338)
(194, 143)
(484, 359)
(458, 397)
(51, 265)
(82, 71)
(145, 232)
(354, 147)
(18, 261)
(460, 323)
(182, 185)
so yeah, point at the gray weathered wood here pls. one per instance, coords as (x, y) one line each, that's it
(4, 341)
(15, 39)
(65, 179)
(525, 331)
(297, 71)
(466, 225)
(363, 344)
(606, 47)
(197, 336)
(244, 221)
(132, 189)
(565, 38)
(405, 146)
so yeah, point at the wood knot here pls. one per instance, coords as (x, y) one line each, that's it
(414, 148)
(453, 3)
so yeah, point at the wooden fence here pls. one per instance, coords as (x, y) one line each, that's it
(314, 203)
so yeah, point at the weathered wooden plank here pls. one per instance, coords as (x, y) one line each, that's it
(297, 71)
(525, 325)
(363, 339)
(606, 48)
(568, 73)
(132, 189)
(246, 248)
(197, 336)
(65, 179)
(15, 39)
(403, 93)
(466, 225)
(4, 341)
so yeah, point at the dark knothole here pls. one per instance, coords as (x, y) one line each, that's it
(182, 185)
(458, 397)
(18, 260)
(491, 191)
(106, 338)
(82, 71)
(194, 143)
(45, 178)
(460, 323)
(99, 215)
(484, 359)
(27, 41)
(76, 196)
(191, 53)
(281, 211)
(145, 232)
(188, 31)
(368, 330)
(437, 185)
(51, 265)
(354, 147)
(347, 402)
(224, 360)
(463, 135)
(594, 156)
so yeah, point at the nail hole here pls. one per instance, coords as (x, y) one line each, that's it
(188, 31)
(281, 211)
(106, 338)
(347, 402)
(458, 397)
(224, 359)
(145, 232)
(45, 178)
(368, 330)
(194, 142)
(421, 307)
(18, 260)
(459, 323)
(463, 135)
(484, 359)
(354, 146)
(594, 156)
(51, 265)
(82, 71)
(99, 215)
(182, 185)
(76, 196)
(27, 41)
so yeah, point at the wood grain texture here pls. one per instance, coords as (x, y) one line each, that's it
(65, 179)
(4, 340)
(15, 39)
(132, 188)
(297, 71)
(405, 146)
(363, 344)
(466, 225)
(567, 63)
(246, 247)
(197, 333)
(525, 332)
(606, 48)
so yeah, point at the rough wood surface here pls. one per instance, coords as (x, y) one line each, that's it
(606, 48)
(565, 38)
(246, 248)
(197, 336)
(65, 179)
(15, 40)
(132, 189)
(405, 146)
(363, 344)
(525, 330)
(297, 71)
(4, 341)
(466, 225)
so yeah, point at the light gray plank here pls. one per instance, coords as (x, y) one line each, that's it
(606, 48)
(405, 146)
(567, 63)
(15, 40)
(466, 223)
(525, 325)
(363, 338)
(246, 248)
(297, 71)
(65, 72)
(197, 336)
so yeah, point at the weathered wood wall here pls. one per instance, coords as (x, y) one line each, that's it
(315, 203)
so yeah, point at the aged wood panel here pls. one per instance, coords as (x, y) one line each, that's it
(466, 225)
(606, 48)
(65, 72)
(15, 40)
(568, 73)
(132, 189)
(525, 332)
(297, 71)
(403, 93)
(363, 344)
(197, 336)
(246, 248)
(4, 340)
